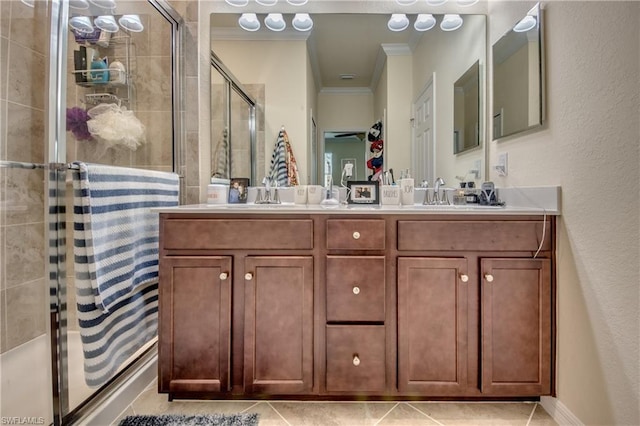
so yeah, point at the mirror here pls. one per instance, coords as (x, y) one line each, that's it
(466, 110)
(518, 77)
(351, 72)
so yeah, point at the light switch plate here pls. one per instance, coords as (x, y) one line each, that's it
(503, 164)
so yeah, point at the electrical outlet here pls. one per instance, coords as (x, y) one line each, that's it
(503, 165)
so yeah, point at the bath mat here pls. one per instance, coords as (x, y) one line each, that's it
(242, 419)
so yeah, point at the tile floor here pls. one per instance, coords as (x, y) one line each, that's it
(293, 413)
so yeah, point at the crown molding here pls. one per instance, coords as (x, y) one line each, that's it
(239, 34)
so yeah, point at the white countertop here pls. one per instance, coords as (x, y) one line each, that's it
(519, 201)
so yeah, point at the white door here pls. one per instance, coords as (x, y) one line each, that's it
(423, 145)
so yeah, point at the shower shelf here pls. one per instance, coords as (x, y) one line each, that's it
(98, 73)
(96, 98)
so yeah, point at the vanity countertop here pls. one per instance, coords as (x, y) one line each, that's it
(265, 209)
(519, 201)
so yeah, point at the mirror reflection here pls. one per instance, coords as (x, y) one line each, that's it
(518, 85)
(349, 72)
(466, 110)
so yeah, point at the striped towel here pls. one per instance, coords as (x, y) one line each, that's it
(116, 261)
(284, 168)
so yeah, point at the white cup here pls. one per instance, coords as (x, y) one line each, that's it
(390, 195)
(300, 194)
(217, 194)
(406, 191)
(315, 194)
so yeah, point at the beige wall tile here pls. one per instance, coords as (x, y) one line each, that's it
(191, 50)
(25, 133)
(192, 155)
(25, 253)
(26, 309)
(29, 26)
(192, 195)
(191, 120)
(26, 76)
(24, 192)
(159, 30)
(157, 151)
(3, 320)
(153, 84)
(5, 10)
(4, 65)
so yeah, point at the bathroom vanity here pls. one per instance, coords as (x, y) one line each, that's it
(304, 302)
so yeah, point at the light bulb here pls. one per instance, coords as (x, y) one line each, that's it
(249, 22)
(424, 22)
(237, 3)
(275, 22)
(398, 22)
(302, 22)
(451, 22)
(525, 24)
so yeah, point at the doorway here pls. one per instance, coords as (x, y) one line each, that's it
(423, 144)
(342, 148)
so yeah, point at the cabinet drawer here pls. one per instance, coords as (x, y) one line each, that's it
(194, 234)
(355, 288)
(355, 234)
(355, 358)
(472, 235)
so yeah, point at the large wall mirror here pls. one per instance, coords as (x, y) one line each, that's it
(518, 77)
(466, 110)
(351, 71)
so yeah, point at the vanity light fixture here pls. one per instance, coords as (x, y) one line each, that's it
(436, 2)
(406, 2)
(79, 4)
(465, 3)
(237, 3)
(249, 22)
(451, 22)
(106, 23)
(424, 22)
(302, 22)
(81, 24)
(267, 2)
(398, 22)
(275, 22)
(525, 24)
(131, 23)
(104, 4)
(297, 2)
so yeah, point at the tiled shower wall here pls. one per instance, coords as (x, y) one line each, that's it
(23, 50)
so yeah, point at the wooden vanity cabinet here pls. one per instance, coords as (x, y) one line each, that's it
(355, 306)
(432, 325)
(195, 324)
(278, 325)
(516, 327)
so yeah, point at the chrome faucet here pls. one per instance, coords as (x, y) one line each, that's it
(436, 190)
(267, 199)
(427, 198)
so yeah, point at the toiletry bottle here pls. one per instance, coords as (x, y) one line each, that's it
(471, 197)
(101, 77)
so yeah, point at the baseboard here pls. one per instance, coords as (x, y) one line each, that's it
(560, 413)
(117, 402)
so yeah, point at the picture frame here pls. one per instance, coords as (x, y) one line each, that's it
(363, 192)
(238, 189)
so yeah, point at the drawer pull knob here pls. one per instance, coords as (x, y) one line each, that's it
(356, 235)
(356, 360)
(248, 276)
(356, 290)
(489, 278)
(464, 278)
(224, 276)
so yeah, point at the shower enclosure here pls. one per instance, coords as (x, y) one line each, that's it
(45, 94)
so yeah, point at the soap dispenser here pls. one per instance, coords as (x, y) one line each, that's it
(406, 189)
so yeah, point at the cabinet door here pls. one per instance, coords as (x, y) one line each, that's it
(516, 327)
(278, 340)
(432, 325)
(195, 324)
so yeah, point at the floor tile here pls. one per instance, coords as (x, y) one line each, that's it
(268, 416)
(541, 418)
(477, 413)
(151, 402)
(332, 413)
(404, 414)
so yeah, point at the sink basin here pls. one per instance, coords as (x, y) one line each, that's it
(455, 207)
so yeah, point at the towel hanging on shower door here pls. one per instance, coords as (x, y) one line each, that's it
(284, 168)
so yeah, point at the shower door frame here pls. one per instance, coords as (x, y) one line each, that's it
(56, 152)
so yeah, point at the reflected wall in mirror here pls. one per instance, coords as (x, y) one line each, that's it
(466, 110)
(518, 77)
(383, 75)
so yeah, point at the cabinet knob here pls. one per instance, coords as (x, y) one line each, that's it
(356, 360)
(224, 276)
(464, 278)
(356, 235)
(488, 277)
(356, 290)
(248, 276)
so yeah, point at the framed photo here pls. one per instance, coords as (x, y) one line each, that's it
(238, 188)
(363, 192)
